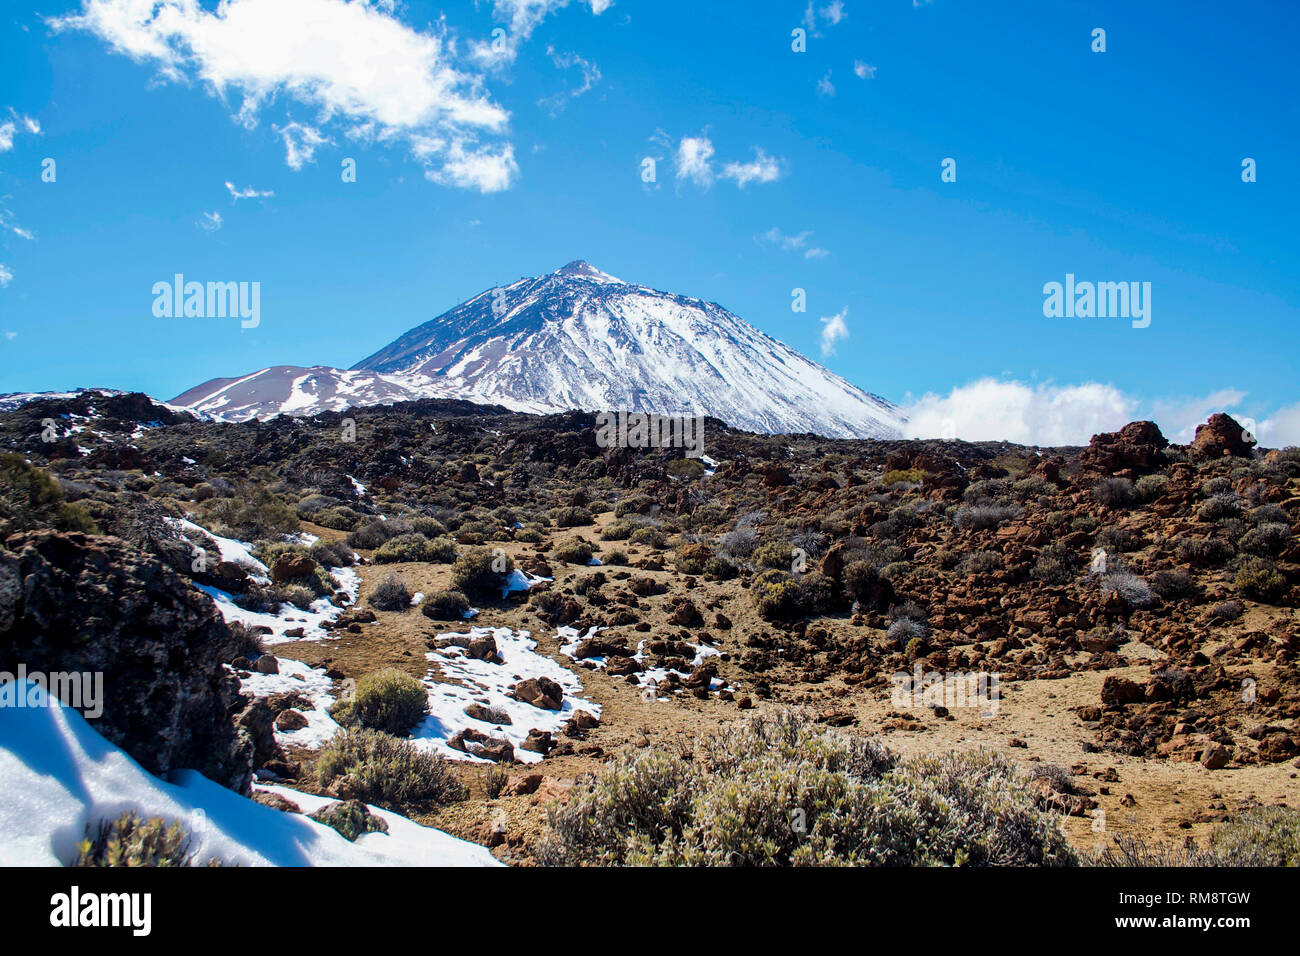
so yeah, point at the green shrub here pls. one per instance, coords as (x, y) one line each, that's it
(573, 551)
(650, 537)
(416, 547)
(777, 596)
(1150, 487)
(983, 517)
(31, 498)
(615, 557)
(619, 530)
(1208, 552)
(775, 554)
(476, 573)
(256, 513)
(389, 700)
(1258, 578)
(898, 476)
(572, 517)
(385, 770)
(1262, 837)
(132, 841)
(1115, 492)
(779, 790)
(332, 554)
(686, 468)
(1266, 540)
(1219, 507)
(446, 606)
(391, 594)
(350, 818)
(693, 558)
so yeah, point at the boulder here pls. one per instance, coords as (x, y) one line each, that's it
(87, 603)
(1221, 435)
(540, 692)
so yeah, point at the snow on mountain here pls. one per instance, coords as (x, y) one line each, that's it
(577, 338)
(294, 390)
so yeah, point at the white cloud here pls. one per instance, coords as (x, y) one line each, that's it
(301, 143)
(11, 127)
(798, 242)
(864, 70)
(356, 64)
(6, 275)
(824, 86)
(761, 169)
(1047, 414)
(834, 329)
(565, 61)
(1181, 416)
(695, 160)
(210, 221)
(248, 192)
(7, 222)
(1282, 428)
(992, 410)
(520, 18)
(10, 335)
(834, 12)
(486, 170)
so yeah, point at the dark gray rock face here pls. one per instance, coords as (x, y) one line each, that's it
(85, 603)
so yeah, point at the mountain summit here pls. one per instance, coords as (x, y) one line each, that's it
(578, 338)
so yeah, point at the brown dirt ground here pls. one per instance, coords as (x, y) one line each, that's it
(1151, 797)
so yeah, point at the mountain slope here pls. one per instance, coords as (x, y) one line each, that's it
(579, 338)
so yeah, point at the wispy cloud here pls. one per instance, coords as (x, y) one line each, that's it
(800, 242)
(248, 192)
(761, 169)
(6, 275)
(210, 221)
(358, 66)
(834, 329)
(864, 70)
(11, 127)
(824, 86)
(519, 18)
(566, 61)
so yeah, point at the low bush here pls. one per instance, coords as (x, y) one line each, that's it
(389, 700)
(381, 769)
(481, 572)
(779, 790)
(391, 594)
(446, 606)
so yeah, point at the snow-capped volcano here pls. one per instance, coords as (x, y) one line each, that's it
(577, 338)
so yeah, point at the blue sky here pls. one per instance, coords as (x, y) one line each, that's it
(775, 170)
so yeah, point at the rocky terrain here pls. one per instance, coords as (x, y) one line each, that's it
(1133, 603)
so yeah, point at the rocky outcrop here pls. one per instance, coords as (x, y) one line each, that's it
(1221, 435)
(1134, 448)
(89, 604)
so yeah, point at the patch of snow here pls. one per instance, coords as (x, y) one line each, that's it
(57, 775)
(312, 683)
(465, 680)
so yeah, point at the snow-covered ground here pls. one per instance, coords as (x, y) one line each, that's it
(236, 552)
(465, 681)
(312, 683)
(290, 617)
(57, 774)
(650, 677)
